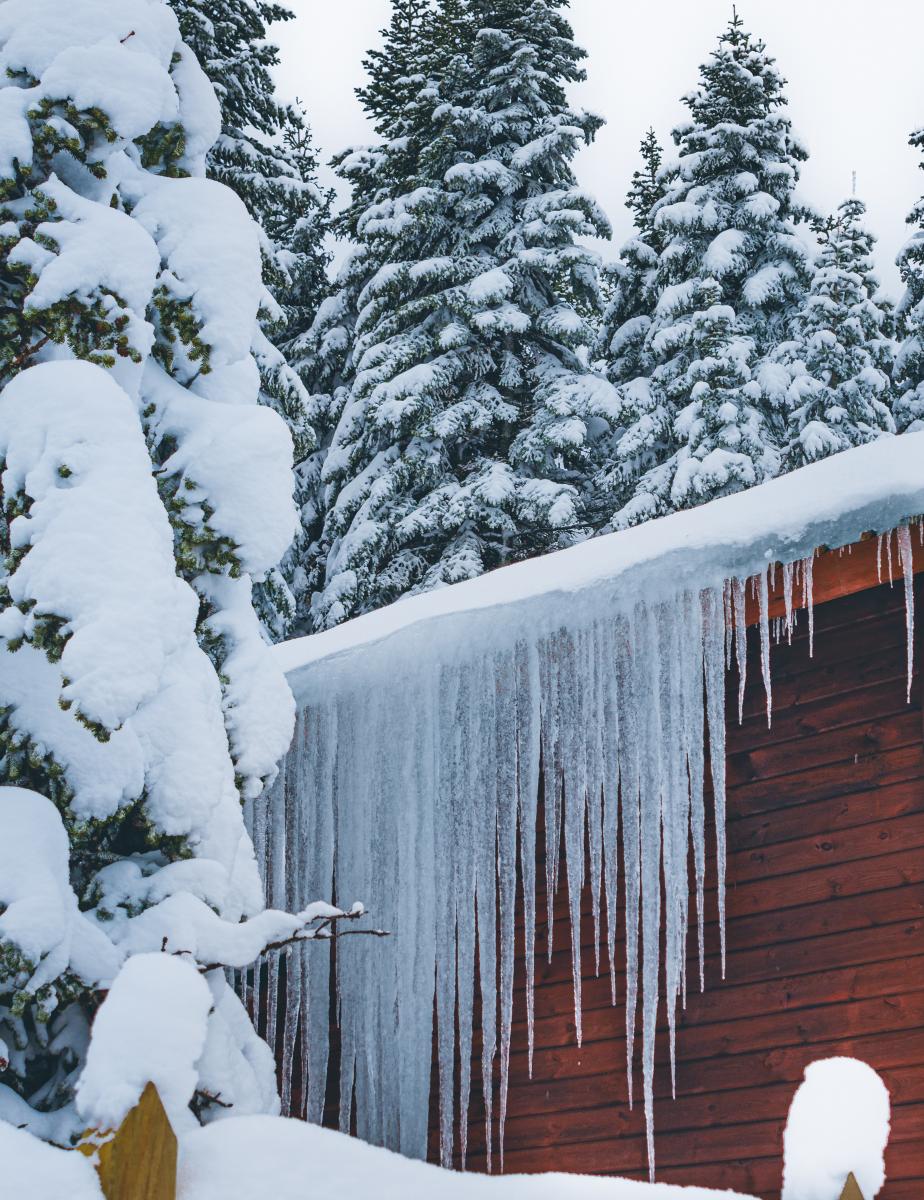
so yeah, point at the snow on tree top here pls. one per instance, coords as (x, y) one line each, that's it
(830, 503)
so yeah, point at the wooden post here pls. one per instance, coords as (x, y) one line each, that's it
(138, 1161)
(851, 1189)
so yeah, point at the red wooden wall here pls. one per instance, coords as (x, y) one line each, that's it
(825, 938)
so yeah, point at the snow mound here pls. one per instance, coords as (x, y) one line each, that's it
(838, 1123)
(291, 1160)
(151, 1028)
(33, 1168)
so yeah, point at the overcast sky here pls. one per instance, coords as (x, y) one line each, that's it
(856, 88)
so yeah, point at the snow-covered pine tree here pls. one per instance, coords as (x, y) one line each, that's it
(909, 363)
(266, 154)
(143, 489)
(468, 401)
(841, 358)
(729, 243)
(621, 344)
(322, 354)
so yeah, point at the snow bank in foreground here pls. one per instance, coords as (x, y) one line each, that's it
(254, 1158)
(270, 1158)
(838, 1123)
(830, 503)
(33, 1168)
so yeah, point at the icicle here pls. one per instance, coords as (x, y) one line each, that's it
(505, 726)
(714, 630)
(808, 566)
(741, 642)
(906, 555)
(888, 546)
(551, 779)
(651, 783)
(431, 778)
(486, 894)
(695, 617)
(592, 728)
(528, 737)
(764, 604)
(610, 725)
(575, 790)
(879, 538)
(464, 749)
(630, 813)
(787, 600)
(446, 965)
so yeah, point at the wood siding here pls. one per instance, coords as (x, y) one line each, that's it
(825, 938)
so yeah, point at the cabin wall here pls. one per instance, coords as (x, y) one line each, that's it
(825, 938)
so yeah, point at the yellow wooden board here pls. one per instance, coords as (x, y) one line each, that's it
(851, 1189)
(138, 1161)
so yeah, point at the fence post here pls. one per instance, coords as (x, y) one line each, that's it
(138, 1161)
(851, 1188)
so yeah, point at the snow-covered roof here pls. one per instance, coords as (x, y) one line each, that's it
(830, 503)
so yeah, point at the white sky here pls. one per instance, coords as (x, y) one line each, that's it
(856, 88)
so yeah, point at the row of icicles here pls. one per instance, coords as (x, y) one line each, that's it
(413, 790)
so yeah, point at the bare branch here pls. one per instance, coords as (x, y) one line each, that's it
(318, 929)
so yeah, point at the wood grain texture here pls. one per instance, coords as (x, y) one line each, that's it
(825, 931)
(139, 1161)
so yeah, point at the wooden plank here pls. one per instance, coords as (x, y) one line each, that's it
(620, 1152)
(829, 815)
(559, 1124)
(838, 778)
(774, 964)
(865, 739)
(783, 928)
(138, 1162)
(735, 999)
(836, 574)
(604, 1037)
(708, 1079)
(882, 699)
(739, 1023)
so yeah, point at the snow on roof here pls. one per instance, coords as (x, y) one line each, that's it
(830, 503)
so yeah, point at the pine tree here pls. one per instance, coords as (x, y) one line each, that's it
(729, 243)
(265, 153)
(461, 440)
(643, 431)
(909, 363)
(144, 489)
(842, 356)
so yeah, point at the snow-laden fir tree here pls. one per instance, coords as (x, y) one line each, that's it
(731, 273)
(144, 487)
(841, 358)
(468, 409)
(322, 354)
(266, 154)
(909, 363)
(621, 344)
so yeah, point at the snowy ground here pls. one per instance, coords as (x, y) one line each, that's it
(271, 1158)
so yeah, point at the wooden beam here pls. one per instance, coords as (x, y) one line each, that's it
(851, 1189)
(836, 573)
(138, 1161)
